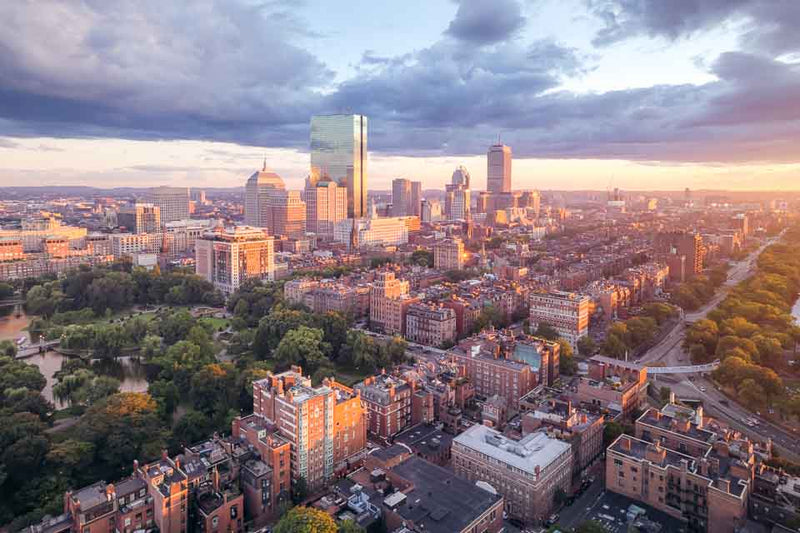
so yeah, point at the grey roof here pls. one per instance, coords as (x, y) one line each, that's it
(440, 502)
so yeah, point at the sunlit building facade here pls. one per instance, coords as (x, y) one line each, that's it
(339, 151)
(499, 169)
(227, 257)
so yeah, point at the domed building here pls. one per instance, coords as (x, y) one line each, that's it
(259, 187)
(461, 176)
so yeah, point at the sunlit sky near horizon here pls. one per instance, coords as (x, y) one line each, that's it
(590, 94)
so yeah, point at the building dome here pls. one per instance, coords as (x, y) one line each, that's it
(461, 176)
(266, 178)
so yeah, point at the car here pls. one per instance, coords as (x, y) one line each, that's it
(552, 520)
(724, 402)
(702, 389)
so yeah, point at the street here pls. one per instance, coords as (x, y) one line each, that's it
(670, 352)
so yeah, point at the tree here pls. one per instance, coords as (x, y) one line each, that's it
(349, 526)
(214, 388)
(108, 341)
(123, 427)
(299, 490)
(546, 331)
(751, 393)
(192, 427)
(705, 332)
(590, 526)
(166, 395)
(6, 291)
(422, 257)
(360, 350)
(302, 346)
(8, 348)
(306, 520)
(641, 330)
(566, 360)
(72, 458)
(586, 346)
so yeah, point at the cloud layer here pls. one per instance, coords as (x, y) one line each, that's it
(234, 71)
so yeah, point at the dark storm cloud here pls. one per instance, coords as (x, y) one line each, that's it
(198, 69)
(219, 70)
(770, 25)
(486, 21)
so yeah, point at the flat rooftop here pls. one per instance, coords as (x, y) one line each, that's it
(440, 502)
(532, 451)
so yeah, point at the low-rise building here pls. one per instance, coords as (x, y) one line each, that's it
(388, 404)
(582, 429)
(527, 472)
(613, 385)
(430, 324)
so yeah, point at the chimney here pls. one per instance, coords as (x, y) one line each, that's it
(110, 492)
(164, 455)
(625, 443)
(135, 465)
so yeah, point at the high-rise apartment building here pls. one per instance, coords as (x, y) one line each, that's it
(326, 425)
(339, 151)
(140, 218)
(457, 195)
(498, 175)
(406, 197)
(682, 252)
(260, 186)
(567, 313)
(449, 255)
(173, 202)
(228, 256)
(431, 211)
(326, 205)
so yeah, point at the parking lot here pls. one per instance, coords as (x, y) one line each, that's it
(610, 510)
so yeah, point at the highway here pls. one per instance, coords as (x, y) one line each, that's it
(670, 352)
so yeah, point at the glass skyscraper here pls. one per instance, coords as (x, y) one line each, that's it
(339, 152)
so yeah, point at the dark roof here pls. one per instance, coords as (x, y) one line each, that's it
(385, 454)
(425, 436)
(440, 502)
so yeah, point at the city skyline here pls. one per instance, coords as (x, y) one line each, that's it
(629, 98)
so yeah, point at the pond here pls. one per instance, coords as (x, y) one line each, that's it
(130, 373)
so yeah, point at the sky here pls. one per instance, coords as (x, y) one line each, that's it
(589, 94)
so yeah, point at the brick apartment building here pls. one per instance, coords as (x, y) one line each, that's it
(526, 472)
(566, 312)
(430, 324)
(449, 254)
(389, 301)
(492, 375)
(387, 400)
(682, 252)
(612, 384)
(685, 465)
(325, 425)
(582, 429)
